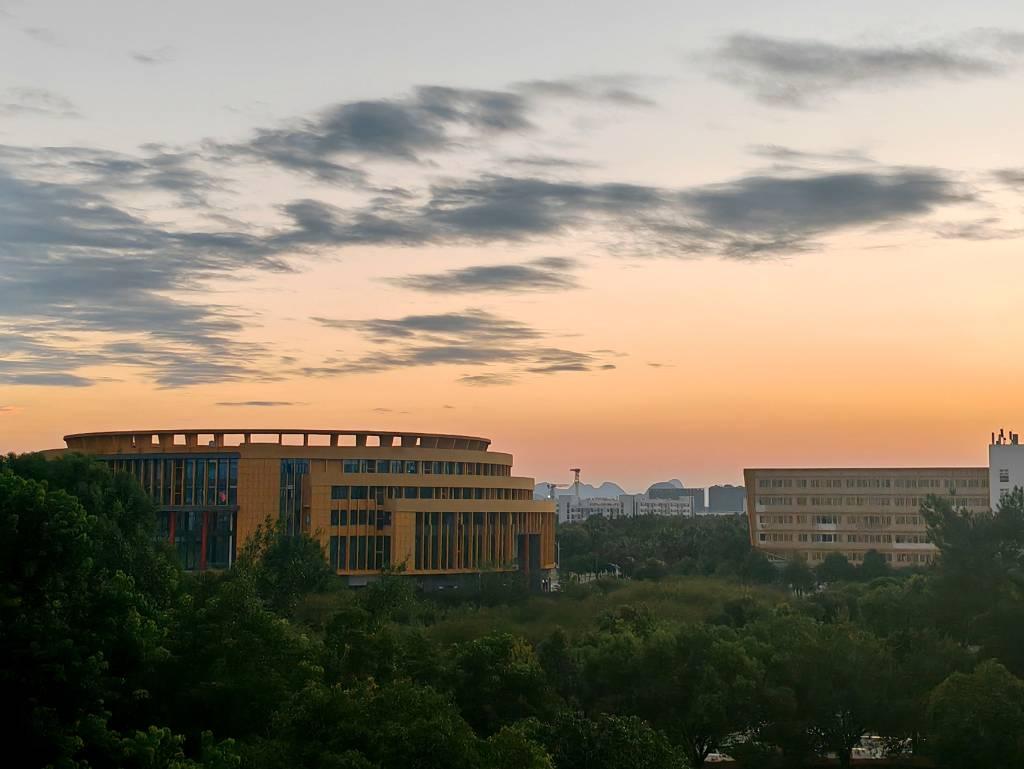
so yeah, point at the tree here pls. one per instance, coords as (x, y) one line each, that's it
(836, 568)
(497, 680)
(756, 568)
(233, 661)
(798, 575)
(78, 634)
(609, 742)
(284, 567)
(874, 566)
(846, 675)
(977, 719)
(697, 685)
(513, 747)
(395, 726)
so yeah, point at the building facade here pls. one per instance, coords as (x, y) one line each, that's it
(696, 496)
(634, 505)
(1005, 466)
(809, 513)
(573, 509)
(435, 505)
(727, 499)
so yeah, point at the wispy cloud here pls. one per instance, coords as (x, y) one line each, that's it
(259, 404)
(472, 337)
(161, 55)
(545, 274)
(43, 35)
(20, 102)
(800, 73)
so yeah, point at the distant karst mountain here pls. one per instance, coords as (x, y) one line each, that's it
(675, 483)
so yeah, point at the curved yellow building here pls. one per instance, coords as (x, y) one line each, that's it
(438, 505)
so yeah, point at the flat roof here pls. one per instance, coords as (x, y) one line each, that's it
(276, 431)
(857, 469)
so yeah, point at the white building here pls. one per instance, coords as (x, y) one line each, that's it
(573, 509)
(634, 505)
(1005, 466)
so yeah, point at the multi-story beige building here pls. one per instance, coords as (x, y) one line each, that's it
(809, 513)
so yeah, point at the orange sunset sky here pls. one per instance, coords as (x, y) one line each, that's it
(653, 240)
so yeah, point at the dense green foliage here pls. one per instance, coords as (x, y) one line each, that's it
(115, 658)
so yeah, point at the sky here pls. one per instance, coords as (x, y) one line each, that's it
(652, 239)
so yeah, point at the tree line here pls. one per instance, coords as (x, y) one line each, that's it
(116, 658)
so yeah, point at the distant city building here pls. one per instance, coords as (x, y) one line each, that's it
(573, 509)
(696, 496)
(1005, 466)
(727, 499)
(634, 505)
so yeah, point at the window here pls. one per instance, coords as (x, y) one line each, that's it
(410, 492)
(1004, 476)
(339, 492)
(383, 466)
(358, 492)
(350, 466)
(411, 466)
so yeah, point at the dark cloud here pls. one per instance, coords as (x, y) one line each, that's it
(157, 169)
(266, 404)
(451, 327)
(431, 119)
(781, 207)
(748, 218)
(332, 144)
(612, 89)
(547, 274)
(1011, 177)
(76, 263)
(797, 73)
(22, 102)
(486, 380)
(979, 229)
(472, 337)
(43, 35)
(789, 155)
(152, 57)
(548, 162)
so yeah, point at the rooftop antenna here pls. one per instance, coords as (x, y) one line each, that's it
(576, 481)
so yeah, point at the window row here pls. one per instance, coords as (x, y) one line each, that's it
(833, 537)
(874, 483)
(184, 482)
(380, 493)
(471, 540)
(201, 539)
(826, 519)
(422, 467)
(878, 501)
(378, 518)
(360, 553)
